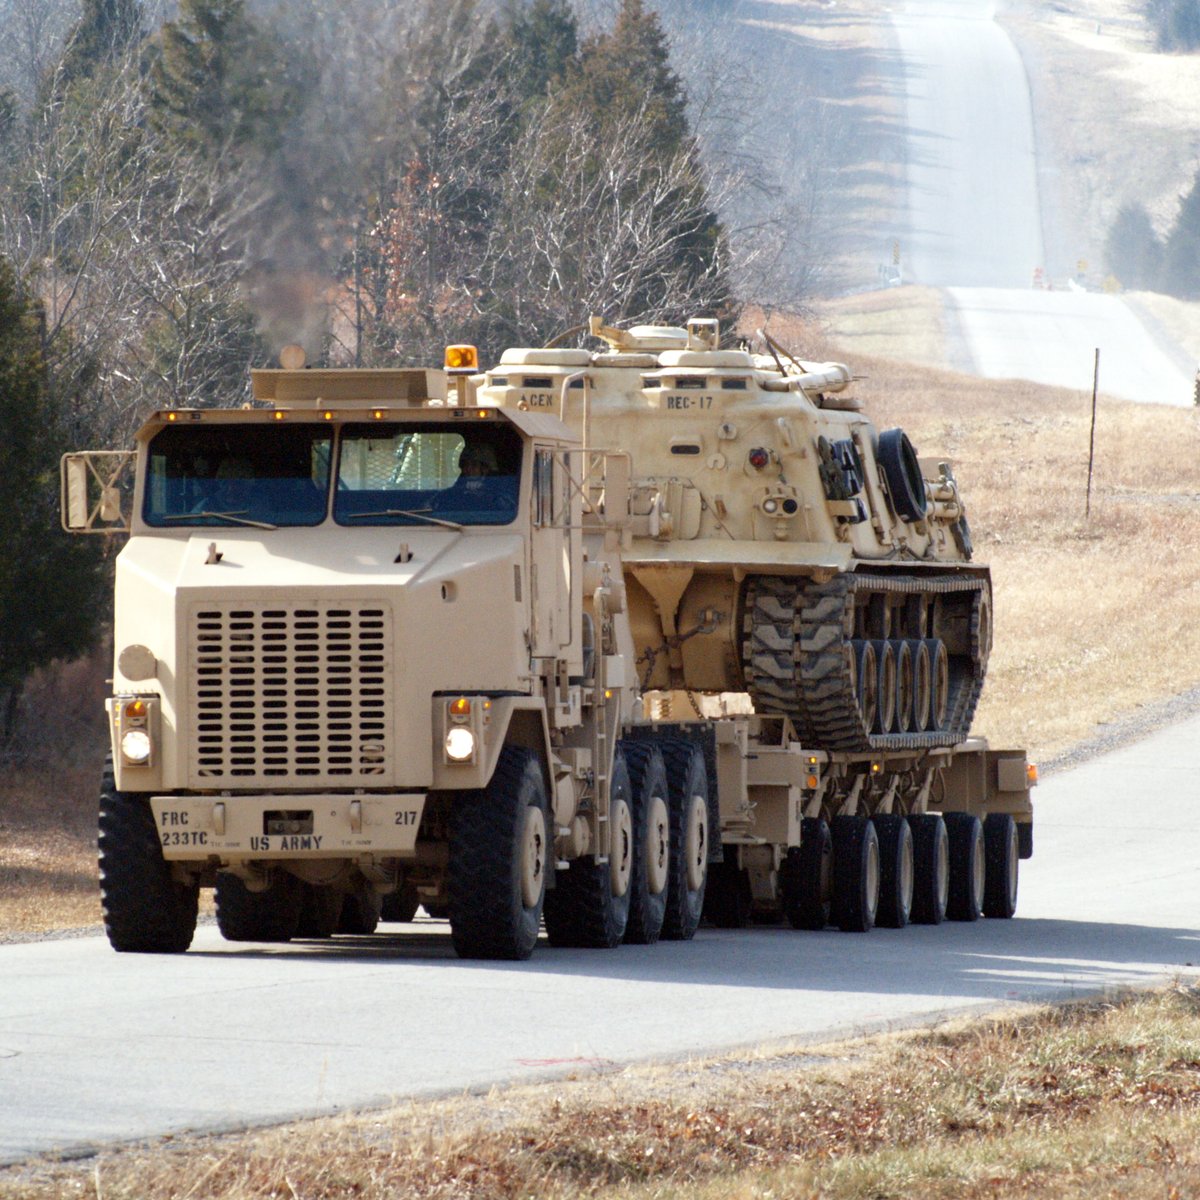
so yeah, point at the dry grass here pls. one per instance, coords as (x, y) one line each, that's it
(1101, 1099)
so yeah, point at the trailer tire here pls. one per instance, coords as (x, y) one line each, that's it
(931, 869)
(687, 784)
(499, 856)
(808, 877)
(856, 874)
(895, 871)
(586, 907)
(654, 848)
(1002, 853)
(319, 912)
(728, 900)
(272, 915)
(360, 912)
(146, 909)
(967, 866)
(401, 905)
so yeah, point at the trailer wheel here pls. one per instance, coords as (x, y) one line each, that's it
(855, 874)
(272, 915)
(360, 911)
(499, 856)
(687, 786)
(320, 909)
(808, 876)
(589, 903)
(967, 866)
(728, 899)
(895, 870)
(400, 905)
(146, 909)
(931, 869)
(654, 849)
(1002, 854)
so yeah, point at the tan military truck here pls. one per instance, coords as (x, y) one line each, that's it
(374, 648)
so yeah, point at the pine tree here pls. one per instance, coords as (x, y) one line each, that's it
(542, 41)
(105, 31)
(1181, 255)
(1133, 252)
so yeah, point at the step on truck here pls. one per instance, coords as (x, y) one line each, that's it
(383, 641)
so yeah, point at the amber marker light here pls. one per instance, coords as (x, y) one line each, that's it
(876, 767)
(460, 709)
(1031, 774)
(136, 710)
(462, 358)
(813, 781)
(378, 414)
(328, 416)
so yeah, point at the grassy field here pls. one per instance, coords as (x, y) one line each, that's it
(1091, 1100)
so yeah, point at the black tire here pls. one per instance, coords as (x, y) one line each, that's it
(500, 854)
(902, 470)
(895, 871)
(728, 901)
(808, 877)
(146, 910)
(401, 905)
(967, 866)
(272, 915)
(586, 906)
(653, 847)
(687, 783)
(320, 909)
(885, 708)
(360, 912)
(1002, 854)
(931, 869)
(855, 874)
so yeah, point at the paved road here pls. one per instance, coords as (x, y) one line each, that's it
(96, 1046)
(975, 223)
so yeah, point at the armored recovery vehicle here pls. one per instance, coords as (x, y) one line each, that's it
(780, 546)
(376, 647)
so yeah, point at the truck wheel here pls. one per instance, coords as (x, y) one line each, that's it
(499, 856)
(1002, 854)
(360, 912)
(895, 871)
(653, 849)
(319, 911)
(589, 903)
(931, 869)
(728, 900)
(855, 874)
(272, 915)
(400, 905)
(687, 783)
(807, 877)
(146, 910)
(967, 866)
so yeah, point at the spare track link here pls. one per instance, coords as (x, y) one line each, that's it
(795, 633)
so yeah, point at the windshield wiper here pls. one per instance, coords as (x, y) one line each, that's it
(421, 514)
(236, 517)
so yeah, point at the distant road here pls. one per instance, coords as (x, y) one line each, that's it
(975, 222)
(98, 1047)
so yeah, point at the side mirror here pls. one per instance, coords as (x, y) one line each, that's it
(95, 491)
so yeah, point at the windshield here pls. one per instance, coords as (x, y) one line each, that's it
(444, 473)
(262, 476)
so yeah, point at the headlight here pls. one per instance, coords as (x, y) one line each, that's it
(460, 744)
(135, 746)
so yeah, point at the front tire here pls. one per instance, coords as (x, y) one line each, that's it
(499, 856)
(146, 909)
(272, 915)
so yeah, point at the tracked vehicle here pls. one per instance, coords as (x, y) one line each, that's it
(780, 545)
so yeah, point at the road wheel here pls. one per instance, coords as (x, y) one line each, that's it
(687, 784)
(400, 905)
(904, 686)
(885, 708)
(320, 909)
(653, 848)
(895, 871)
(931, 869)
(922, 700)
(728, 900)
(866, 680)
(272, 915)
(499, 856)
(808, 877)
(967, 866)
(1002, 854)
(360, 911)
(589, 903)
(939, 683)
(146, 909)
(855, 874)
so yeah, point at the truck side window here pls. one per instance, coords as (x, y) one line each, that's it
(551, 488)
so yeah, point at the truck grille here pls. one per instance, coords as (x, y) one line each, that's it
(285, 692)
